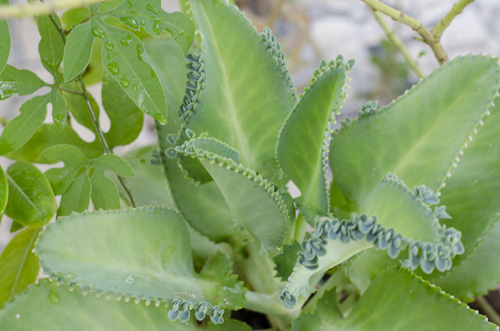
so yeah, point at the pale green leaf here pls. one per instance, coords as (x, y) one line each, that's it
(114, 163)
(143, 253)
(104, 192)
(23, 127)
(48, 307)
(426, 307)
(31, 199)
(304, 138)
(3, 191)
(74, 160)
(51, 46)
(6, 44)
(78, 106)
(59, 109)
(20, 81)
(126, 119)
(77, 50)
(416, 137)
(240, 92)
(18, 265)
(76, 197)
(122, 56)
(150, 16)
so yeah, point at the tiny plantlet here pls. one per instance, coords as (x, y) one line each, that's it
(200, 230)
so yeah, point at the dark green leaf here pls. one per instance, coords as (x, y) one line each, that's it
(59, 109)
(23, 127)
(5, 42)
(51, 45)
(20, 81)
(18, 265)
(150, 16)
(48, 135)
(3, 191)
(77, 51)
(286, 260)
(126, 119)
(78, 106)
(122, 56)
(76, 197)
(31, 199)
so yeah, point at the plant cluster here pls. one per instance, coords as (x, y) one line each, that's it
(203, 224)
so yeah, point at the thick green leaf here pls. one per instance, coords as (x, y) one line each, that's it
(239, 92)
(20, 81)
(122, 56)
(31, 199)
(326, 312)
(23, 127)
(3, 191)
(203, 206)
(243, 189)
(416, 137)
(149, 186)
(479, 273)
(51, 45)
(6, 44)
(18, 265)
(77, 51)
(150, 16)
(426, 307)
(48, 135)
(59, 109)
(143, 253)
(303, 141)
(126, 119)
(48, 307)
(76, 197)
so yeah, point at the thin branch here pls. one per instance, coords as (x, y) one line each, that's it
(488, 310)
(416, 25)
(37, 9)
(70, 91)
(398, 43)
(457, 8)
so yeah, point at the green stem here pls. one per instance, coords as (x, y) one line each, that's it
(416, 25)
(445, 22)
(398, 43)
(300, 228)
(488, 310)
(37, 9)
(70, 91)
(269, 305)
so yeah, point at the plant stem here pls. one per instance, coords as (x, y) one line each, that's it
(416, 25)
(488, 310)
(267, 304)
(398, 43)
(37, 9)
(300, 228)
(104, 143)
(445, 22)
(70, 91)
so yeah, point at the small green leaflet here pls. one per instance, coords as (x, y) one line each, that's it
(77, 51)
(90, 179)
(122, 57)
(20, 81)
(4, 40)
(51, 45)
(31, 199)
(3, 191)
(18, 265)
(150, 16)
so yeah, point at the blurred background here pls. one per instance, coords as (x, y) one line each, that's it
(311, 30)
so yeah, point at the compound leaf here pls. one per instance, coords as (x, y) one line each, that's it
(31, 199)
(76, 197)
(51, 46)
(18, 265)
(20, 81)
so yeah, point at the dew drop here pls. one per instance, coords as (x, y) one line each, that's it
(129, 279)
(98, 32)
(130, 22)
(53, 297)
(109, 45)
(113, 68)
(18, 316)
(153, 9)
(124, 82)
(7, 89)
(140, 50)
(157, 27)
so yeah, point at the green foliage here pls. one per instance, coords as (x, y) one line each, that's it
(202, 223)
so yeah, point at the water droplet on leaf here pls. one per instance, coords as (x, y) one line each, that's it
(53, 297)
(129, 279)
(124, 82)
(98, 32)
(126, 41)
(113, 68)
(130, 22)
(157, 27)
(7, 89)
(109, 45)
(153, 9)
